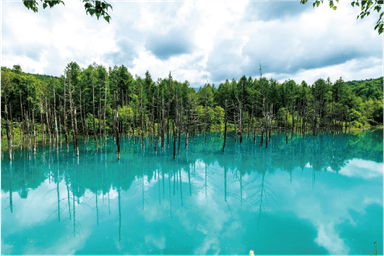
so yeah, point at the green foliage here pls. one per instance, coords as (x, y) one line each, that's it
(356, 124)
(98, 122)
(116, 88)
(373, 111)
(92, 7)
(218, 118)
(366, 7)
(206, 95)
(368, 89)
(354, 115)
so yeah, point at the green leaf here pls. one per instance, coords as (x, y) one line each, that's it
(334, 8)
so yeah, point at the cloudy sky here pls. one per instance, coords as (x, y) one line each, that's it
(198, 41)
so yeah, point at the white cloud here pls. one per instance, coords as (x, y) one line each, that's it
(198, 40)
(327, 237)
(349, 70)
(362, 169)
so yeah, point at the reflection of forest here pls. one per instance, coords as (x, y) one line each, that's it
(191, 173)
(98, 173)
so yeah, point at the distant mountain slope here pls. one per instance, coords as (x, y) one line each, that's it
(370, 88)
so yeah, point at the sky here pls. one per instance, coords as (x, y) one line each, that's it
(199, 41)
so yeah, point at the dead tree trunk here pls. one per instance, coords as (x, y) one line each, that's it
(22, 123)
(105, 109)
(225, 124)
(41, 120)
(205, 120)
(174, 124)
(82, 120)
(249, 124)
(180, 126)
(65, 117)
(122, 133)
(293, 117)
(174, 139)
(195, 121)
(187, 123)
(254, 133)
(93, 103)
(11, 118)
(234, 118)
(240, 123)
(270, 122)
(99, 116)
(314, 118)
(286, 128)
(47, 119)
(54, 112)
(266, 136)
(169, 106)
(133, 123)
(163, 125)
(160, 122)
(154, 125)
(60, 134)
(34, 130)
(29, 128)
(116, 122)
(9, 137)
(76, 135)
(85, 118)
(142, 119)
(73, 119)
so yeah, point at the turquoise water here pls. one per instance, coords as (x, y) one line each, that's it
(319, 195)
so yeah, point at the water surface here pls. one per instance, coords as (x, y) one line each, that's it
(319, 195)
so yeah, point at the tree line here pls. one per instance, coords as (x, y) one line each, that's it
(96, 103)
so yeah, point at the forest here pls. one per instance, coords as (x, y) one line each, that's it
(96, 103)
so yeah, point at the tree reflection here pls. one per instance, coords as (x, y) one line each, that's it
(244, 168)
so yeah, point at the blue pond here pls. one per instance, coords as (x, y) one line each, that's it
(320, 195)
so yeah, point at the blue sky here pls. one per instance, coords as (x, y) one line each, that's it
(198, 41)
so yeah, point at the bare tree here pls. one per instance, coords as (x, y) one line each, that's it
(93, 103)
